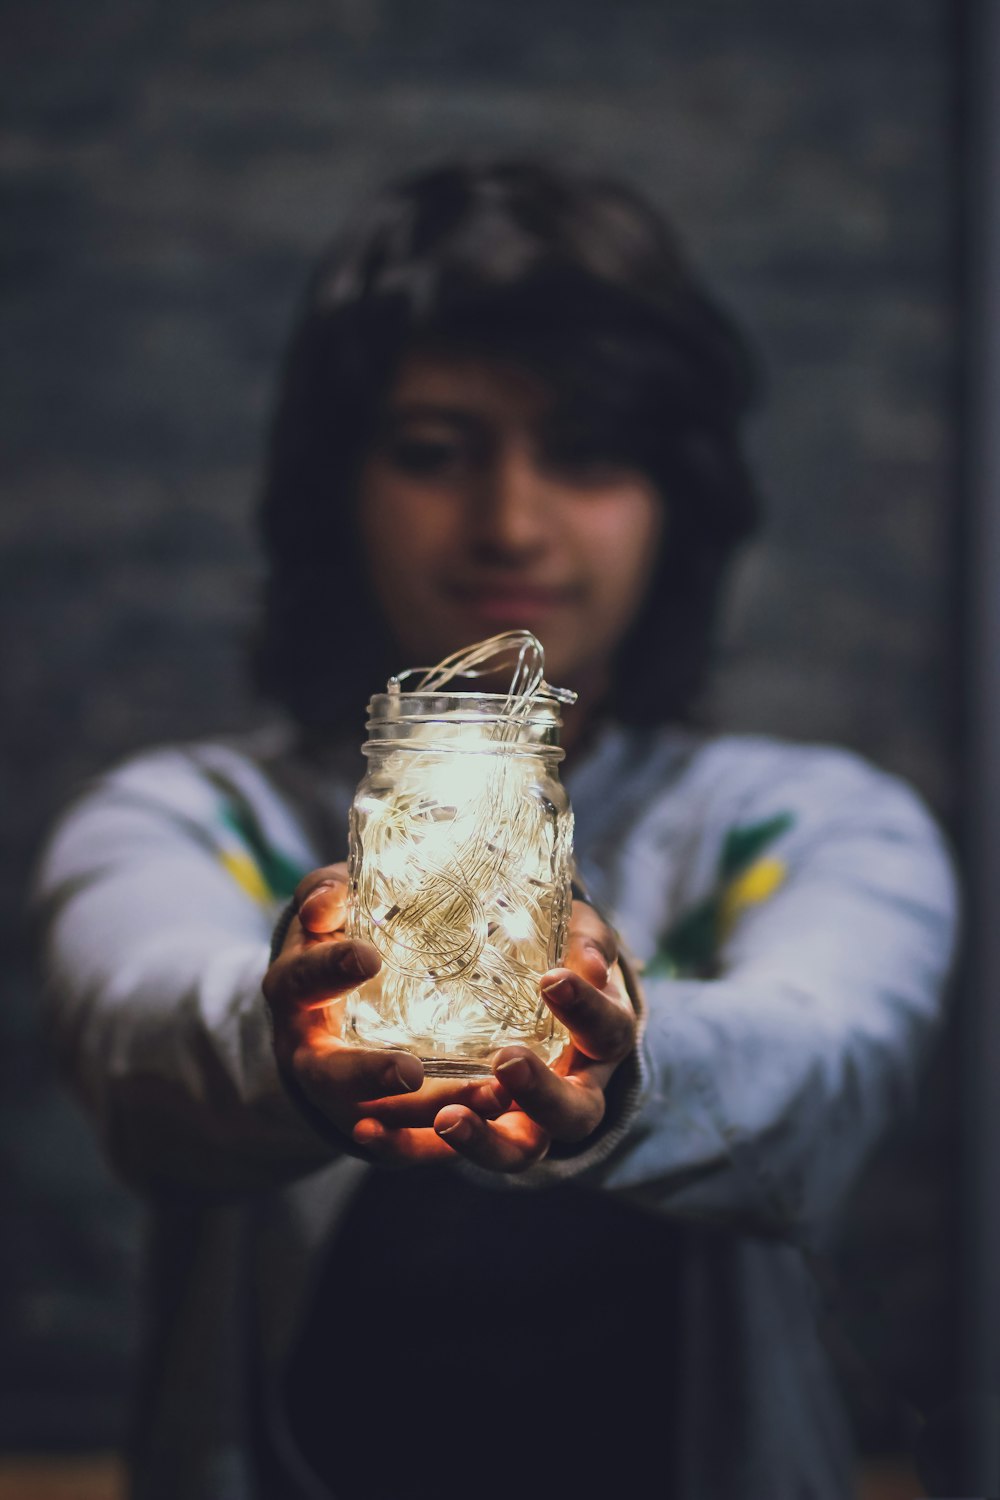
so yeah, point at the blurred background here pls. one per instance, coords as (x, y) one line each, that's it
(168, 173)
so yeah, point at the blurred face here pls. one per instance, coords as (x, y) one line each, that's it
(472, 523)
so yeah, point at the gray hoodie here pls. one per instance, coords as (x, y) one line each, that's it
(790, 912)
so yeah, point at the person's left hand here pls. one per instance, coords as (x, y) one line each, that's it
(542, 1104)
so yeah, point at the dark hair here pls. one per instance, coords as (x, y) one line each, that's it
(577, 280)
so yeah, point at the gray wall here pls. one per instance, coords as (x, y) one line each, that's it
(168, 171)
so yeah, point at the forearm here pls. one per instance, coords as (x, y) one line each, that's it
(153, 961)
(754, 1112)
(755, 1097)
(174, 1063)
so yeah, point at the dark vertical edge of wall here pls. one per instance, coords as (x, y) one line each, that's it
(979, 116)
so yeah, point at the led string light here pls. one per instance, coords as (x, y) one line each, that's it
(460, 859)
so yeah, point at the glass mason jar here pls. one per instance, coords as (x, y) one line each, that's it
(460, 854)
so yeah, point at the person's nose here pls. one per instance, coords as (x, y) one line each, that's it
(515, 507)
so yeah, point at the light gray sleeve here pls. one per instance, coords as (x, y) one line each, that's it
(753, 1098)
(153, 958)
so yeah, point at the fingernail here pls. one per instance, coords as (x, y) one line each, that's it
(515, 1072)
(459, 1131)
(312, 898)
(410, 1072)
(561, 991)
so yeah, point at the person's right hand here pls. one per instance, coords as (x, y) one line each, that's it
(305, 989)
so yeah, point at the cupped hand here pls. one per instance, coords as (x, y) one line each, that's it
(533, 1104)
(369, 1095)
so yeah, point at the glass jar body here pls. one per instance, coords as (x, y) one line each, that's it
(460, 863)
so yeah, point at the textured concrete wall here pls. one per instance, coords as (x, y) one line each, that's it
(168, 171)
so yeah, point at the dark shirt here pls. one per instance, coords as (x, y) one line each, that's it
(498, 1342)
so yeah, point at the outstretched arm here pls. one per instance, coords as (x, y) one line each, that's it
(760, 1090)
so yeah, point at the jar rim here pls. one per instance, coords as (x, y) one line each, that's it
(409, 705)
(396, 718)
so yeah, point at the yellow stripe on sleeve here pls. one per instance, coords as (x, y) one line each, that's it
(246, 874)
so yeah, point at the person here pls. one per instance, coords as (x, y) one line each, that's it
(509, 402)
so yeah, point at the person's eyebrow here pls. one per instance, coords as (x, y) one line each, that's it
(431, 411)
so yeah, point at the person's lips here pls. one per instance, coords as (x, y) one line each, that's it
(511, 602)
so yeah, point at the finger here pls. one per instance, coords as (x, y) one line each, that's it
(400, 1148)
(339, 1079)
(321, 900)
(487, 1097)
(601, 1023)
(592, 946)
(568, 1108)
(325, 875)
(317, 974)
(510, 1144)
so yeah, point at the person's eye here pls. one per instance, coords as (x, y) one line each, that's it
(583, 466)
(426, 457)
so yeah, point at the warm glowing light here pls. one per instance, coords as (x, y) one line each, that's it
(460, 853)
(518, 925)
